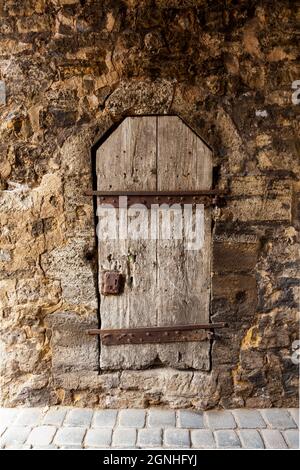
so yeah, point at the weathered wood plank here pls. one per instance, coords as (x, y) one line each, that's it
(127, 161)
(184, 163)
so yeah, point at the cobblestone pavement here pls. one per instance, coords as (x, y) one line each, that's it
(78, 428)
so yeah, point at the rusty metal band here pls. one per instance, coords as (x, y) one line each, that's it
(165, 334)
(148, 198)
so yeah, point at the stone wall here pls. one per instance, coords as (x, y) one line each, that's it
(70, 70)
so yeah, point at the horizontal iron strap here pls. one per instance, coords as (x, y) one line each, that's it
(156, 338)
(209, 192)
(201, 326)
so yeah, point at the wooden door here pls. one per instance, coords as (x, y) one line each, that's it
(165, 284)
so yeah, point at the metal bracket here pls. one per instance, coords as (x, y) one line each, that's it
(163, 334)
(147, 198)
(111, 282)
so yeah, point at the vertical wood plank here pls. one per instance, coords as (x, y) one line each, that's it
(184, 163)
(127, 161)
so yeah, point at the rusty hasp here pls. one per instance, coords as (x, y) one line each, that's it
(111, 282)
(148, 198)
(164, 334)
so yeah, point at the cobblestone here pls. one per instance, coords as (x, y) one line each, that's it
(190, 419)
(15, 435)
(55, 416)
(249, 419)
(76, 428)
(132, 418)
(219, 420)
(149, 438)
(295, 415)
(161, 418)
(7, 416)
(227, 438)
(100, 437)
(273, 439)
(124, 437)
(69, 436)
(104, 418)
(203, 439)
(279, 419)
(251, 439)
(291, 437)
(79, 417)
(41, 435)
(29, 417)
(177, 438)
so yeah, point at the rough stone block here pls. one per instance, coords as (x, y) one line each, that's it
(234, 257)
(72, 349)
(236, 290)
(259, 209)
(176, 438)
